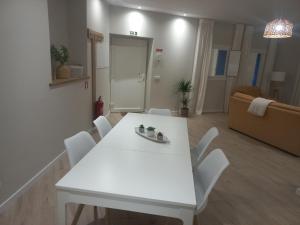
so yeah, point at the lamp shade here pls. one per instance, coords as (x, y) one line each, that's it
(278, 76)
(279, 28)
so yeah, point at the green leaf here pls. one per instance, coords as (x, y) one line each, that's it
(60, 54)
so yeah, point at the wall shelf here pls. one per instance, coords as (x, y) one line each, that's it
(59, 82)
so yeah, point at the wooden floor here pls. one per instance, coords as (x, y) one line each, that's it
(257, 189)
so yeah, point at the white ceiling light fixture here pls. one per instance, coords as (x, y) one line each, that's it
(279, 28)
(139, 7)
(184, 14)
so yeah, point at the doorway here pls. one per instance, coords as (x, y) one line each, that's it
(128, 73)
(93, 38)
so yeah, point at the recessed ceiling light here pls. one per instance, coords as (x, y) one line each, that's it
(139, 7)
(184, 14)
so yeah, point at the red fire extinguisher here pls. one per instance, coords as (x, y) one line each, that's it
(99, 107)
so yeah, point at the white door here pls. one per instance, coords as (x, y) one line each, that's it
(128, 74)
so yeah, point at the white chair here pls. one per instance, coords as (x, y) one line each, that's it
(206, 176)
(198, 152)
(103, 126)
(77, 147)
(162, 112)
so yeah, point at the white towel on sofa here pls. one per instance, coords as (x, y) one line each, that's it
(259, 106)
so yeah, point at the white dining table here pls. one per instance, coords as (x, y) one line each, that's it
(128, 172)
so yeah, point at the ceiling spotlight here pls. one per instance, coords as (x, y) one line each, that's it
(184, 14)
(139, 7)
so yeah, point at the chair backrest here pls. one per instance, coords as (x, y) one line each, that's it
(162, 112)
(205, 141)
(78, 146)
(207, 174)
(103, 126)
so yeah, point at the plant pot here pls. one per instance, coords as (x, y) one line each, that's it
(141, 129)
(185, 112)
(150, 133)
(160, 136)
(63, 72)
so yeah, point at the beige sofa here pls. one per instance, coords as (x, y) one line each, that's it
(279, 127)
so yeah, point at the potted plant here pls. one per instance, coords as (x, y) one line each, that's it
(150, 131)
(141, 128)
(160, 136)
(61, 55)
(184, 87)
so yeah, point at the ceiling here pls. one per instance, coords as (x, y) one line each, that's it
(242, 11)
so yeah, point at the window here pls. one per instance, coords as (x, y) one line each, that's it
(219, 62)
(256, 69)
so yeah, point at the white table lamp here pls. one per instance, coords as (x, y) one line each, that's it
(278, 76)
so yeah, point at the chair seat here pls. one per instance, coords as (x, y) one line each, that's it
(206, 175)
(162, 112)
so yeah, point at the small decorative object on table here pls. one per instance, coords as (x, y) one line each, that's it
(151, 134)
(160, 136)
(150, 131)
(141, 128)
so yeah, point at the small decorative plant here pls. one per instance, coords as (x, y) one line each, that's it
(61, 55)
(160, 136)
(184, 87)
(150, 128)
(150, 131)
(141, 128)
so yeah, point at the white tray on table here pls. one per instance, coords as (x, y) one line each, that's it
(154, 138)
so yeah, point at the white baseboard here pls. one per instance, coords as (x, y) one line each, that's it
(29, 183)
(35, 178)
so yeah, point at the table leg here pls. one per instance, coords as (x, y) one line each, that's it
(61, 217)
(187, 217)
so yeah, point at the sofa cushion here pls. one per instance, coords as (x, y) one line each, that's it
(243, 96)
(248, 90)
(285, 106)
(273, 104)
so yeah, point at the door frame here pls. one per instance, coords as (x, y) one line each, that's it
(94, 37)
(218, 78)
(147, 74)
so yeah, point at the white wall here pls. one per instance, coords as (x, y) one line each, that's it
(77, 22)
(258, 41)
(288, 60)
(98, 20)
(67, 25)
(223, 34)
(175, 35)
(34, 118)
(58, 22)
